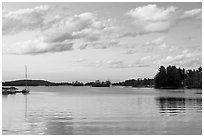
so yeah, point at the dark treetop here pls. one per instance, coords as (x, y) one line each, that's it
(173, 77)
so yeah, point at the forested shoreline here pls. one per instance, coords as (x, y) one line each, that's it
(170, 77)
(173, 77)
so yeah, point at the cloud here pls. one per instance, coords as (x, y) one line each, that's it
(79, 60)
(119, 64)
(58, 33)
(172, 49)
(37, 46)
(129, 34)
(156, 44)
(150, 18)
(130, 52)
(197, 13)
(23, 19)
(152, 13)
(101, 44)
(83, 46)
(156, 41)
(86, 27)
(185, 58)
(74, 27)
(146, 58)
(149, 59)
(111, 63)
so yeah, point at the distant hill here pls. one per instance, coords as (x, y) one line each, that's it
(29, 83)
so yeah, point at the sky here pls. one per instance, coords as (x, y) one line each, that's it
(106, 41)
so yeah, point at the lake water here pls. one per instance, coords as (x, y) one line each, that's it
(106, 111)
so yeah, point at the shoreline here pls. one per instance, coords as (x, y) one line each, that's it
(170, 88)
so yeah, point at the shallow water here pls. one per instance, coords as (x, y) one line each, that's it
(106, 111)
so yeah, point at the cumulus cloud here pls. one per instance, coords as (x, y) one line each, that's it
(87, 27)
(150, 18)
(23, 19)
(55, 32)
(37, 46)
(151, 13)
(74, 27)
(61, 32)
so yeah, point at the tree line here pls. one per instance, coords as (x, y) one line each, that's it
(169, 77)
(136, 83)
(173, 77)
(97, 83)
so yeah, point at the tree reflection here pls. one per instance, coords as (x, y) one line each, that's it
(178, 104)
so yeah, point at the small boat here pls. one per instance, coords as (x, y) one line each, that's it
(26, 90)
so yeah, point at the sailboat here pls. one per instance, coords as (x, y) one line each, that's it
(26, 90)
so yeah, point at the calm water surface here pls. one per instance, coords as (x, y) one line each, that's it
(86, 110)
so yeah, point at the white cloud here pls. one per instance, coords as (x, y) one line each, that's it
(183, 59)
(54, 33)
(152, 13)
(23, 19)
(37, 46)
(70, 28)
(192, 13)
(85, 26)
(61, 32)
(150, 18)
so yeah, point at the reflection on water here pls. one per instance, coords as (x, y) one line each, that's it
(67, 111)
(58, 126)
(26, 104)
(53, 124)
(178, 104)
